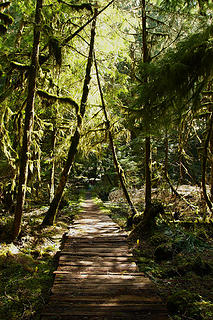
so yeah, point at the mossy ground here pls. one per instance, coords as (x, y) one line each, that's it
(178, 257)
(27, 265)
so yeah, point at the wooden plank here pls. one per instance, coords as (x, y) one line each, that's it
(97, 278)
(100, 290)
(87, 262)
(110, 275)
(85, 309)
(117, 238)
(131, 316)
(94, 253)
(98, 259)
(89, 244)
(100, 281)
(117, 299)
(104, 236)
(87, 250)
(98, 270)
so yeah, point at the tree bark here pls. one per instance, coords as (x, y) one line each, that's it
(204, 162)
(118, 168)
(148, 186)
(166, 155)
(52, 171)
(211, 164)
(28, 125)
(53, 209)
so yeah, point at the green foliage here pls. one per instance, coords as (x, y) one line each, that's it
(177, 79)
(201, 6)
(182, 302)
(26, 267)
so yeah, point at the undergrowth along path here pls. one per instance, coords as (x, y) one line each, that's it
(96, 276)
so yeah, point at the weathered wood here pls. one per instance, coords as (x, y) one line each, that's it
(129, 316)
(118, 299)
(97, 277)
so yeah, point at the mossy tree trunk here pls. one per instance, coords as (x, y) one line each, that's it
(166, 161)
(211, 164)
(52, 171)
(118, 168)
(53, 209)
(28, 125)
(148, 162)
(204, 165)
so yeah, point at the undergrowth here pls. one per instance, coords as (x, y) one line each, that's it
(27, 265)
(178, 258)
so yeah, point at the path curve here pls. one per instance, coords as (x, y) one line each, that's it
(96, 277)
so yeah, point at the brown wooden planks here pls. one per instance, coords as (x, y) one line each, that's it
(97, 278)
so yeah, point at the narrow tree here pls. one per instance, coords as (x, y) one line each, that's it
(28, 125)
(118, 167)
(52, 212)
(148, 184)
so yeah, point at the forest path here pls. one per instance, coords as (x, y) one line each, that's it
(96, 276)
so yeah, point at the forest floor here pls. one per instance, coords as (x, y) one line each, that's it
(178, 256)
(27, 265)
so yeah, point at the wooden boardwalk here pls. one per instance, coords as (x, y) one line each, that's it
(97, 278)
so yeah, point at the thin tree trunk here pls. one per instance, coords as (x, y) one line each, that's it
(119, 169)
(211, 172)
(166, 155)
(205, 156)
(52, 171)
(28, 126)
(148, 186)
(52, 212)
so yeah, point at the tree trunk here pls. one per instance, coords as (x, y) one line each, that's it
(52, 212)
(211, 173)
(52, 171)
(148, 186)
(119, 169)
(166, 155)
(204, 162)
(28, 125)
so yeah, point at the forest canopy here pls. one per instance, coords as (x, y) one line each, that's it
(112, 99)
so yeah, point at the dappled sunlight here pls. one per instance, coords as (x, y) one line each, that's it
(97, 275)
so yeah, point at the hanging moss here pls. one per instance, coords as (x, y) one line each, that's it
(6, 18)
(78, 7)
(51, 97)
(55, 49)
(82, 6)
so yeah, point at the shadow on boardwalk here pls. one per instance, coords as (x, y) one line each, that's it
(96, 277)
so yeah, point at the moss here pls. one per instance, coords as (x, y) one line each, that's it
(158, 239)
(51, 97)
(183, 301)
